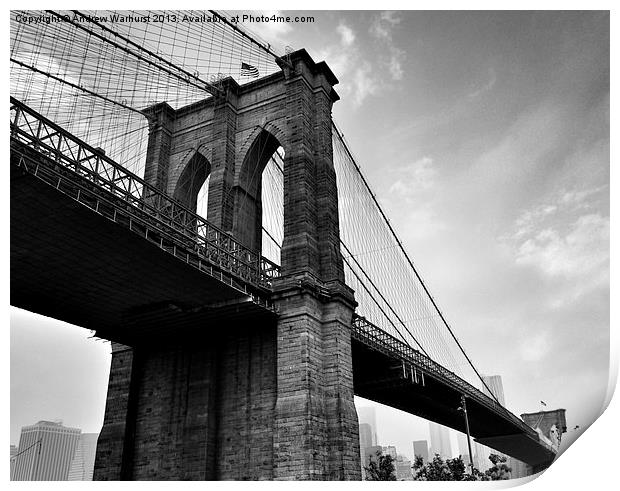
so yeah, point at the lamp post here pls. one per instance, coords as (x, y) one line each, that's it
(463, 408)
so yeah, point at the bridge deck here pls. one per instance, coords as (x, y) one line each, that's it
(63, 253)
(388, 371)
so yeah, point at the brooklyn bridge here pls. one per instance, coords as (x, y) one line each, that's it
(183, 191)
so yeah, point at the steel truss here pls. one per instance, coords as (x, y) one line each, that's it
(417, 365)
(85, 174)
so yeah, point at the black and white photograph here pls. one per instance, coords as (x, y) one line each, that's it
(310, 245)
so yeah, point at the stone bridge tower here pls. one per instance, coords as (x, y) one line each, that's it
(249, 398)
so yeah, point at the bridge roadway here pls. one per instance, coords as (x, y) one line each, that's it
(87, 249)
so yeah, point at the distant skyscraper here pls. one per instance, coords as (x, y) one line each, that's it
(518, 469)
(494, 382)
(83, 462)
(420, 447)
(371, 454)
(440, 441)
(365, 443)
(480, 452)
(365, 435)
(390, 450)
(461, 439)
(402, 467)
(45, 452)
(13, 453)
(367, 415)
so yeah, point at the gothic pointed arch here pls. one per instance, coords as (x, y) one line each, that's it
(196, 168)
(247, 224)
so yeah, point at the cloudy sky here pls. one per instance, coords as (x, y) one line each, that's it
(486, 139)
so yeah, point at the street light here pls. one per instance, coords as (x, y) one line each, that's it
(463, 407)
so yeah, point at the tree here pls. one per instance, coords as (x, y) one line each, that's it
(500, 470)
(381, 468)
(439, 470)
(455, 470)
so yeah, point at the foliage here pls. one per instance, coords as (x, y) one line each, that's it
(500, 470)
(381, 468)
(455, 470)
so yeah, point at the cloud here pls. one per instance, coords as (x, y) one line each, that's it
(396, 61)
(565, 239)
(562, 203)
(381, 29)
(535, 347)
(347, 36)
(345, 58)
(486, 87)
(414, 182)
(364, 83)
(360, 76)
(382, 26)
(414, 178)
(583, 250)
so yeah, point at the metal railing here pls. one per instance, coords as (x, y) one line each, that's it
(370, 335)
(94, 179)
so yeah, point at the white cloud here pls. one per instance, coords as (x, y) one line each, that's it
(561, 204)
(535, 347)
(582, 251)
(347, 36)
(422, 223)
(381, 29)
(396, 61)
(578, 198)
(359, 80)
(414, 182)
(360, 77)
(487, 86)
(415, 177)
(382, 26)
(364, 83)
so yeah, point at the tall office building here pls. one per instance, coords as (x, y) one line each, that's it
(478, 451)
(495, 385)
(83, 463)
(390, 450)
(518, 469)
(420, 448)
(365, 444)
(13, 454)
(440, 441)
(367, 415)
(402, 468)
(370, 454)
(45, 452)
(365, 436)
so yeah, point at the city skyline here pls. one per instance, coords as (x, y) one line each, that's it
(548, 238)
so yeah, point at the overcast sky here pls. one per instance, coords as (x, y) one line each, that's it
(486, 138)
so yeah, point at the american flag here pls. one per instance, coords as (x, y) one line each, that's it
(249, 70)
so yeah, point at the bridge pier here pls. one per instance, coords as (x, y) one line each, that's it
(316, 427)
(201, 409)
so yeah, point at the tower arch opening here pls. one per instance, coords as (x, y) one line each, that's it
(192, 187)
(259, 197)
